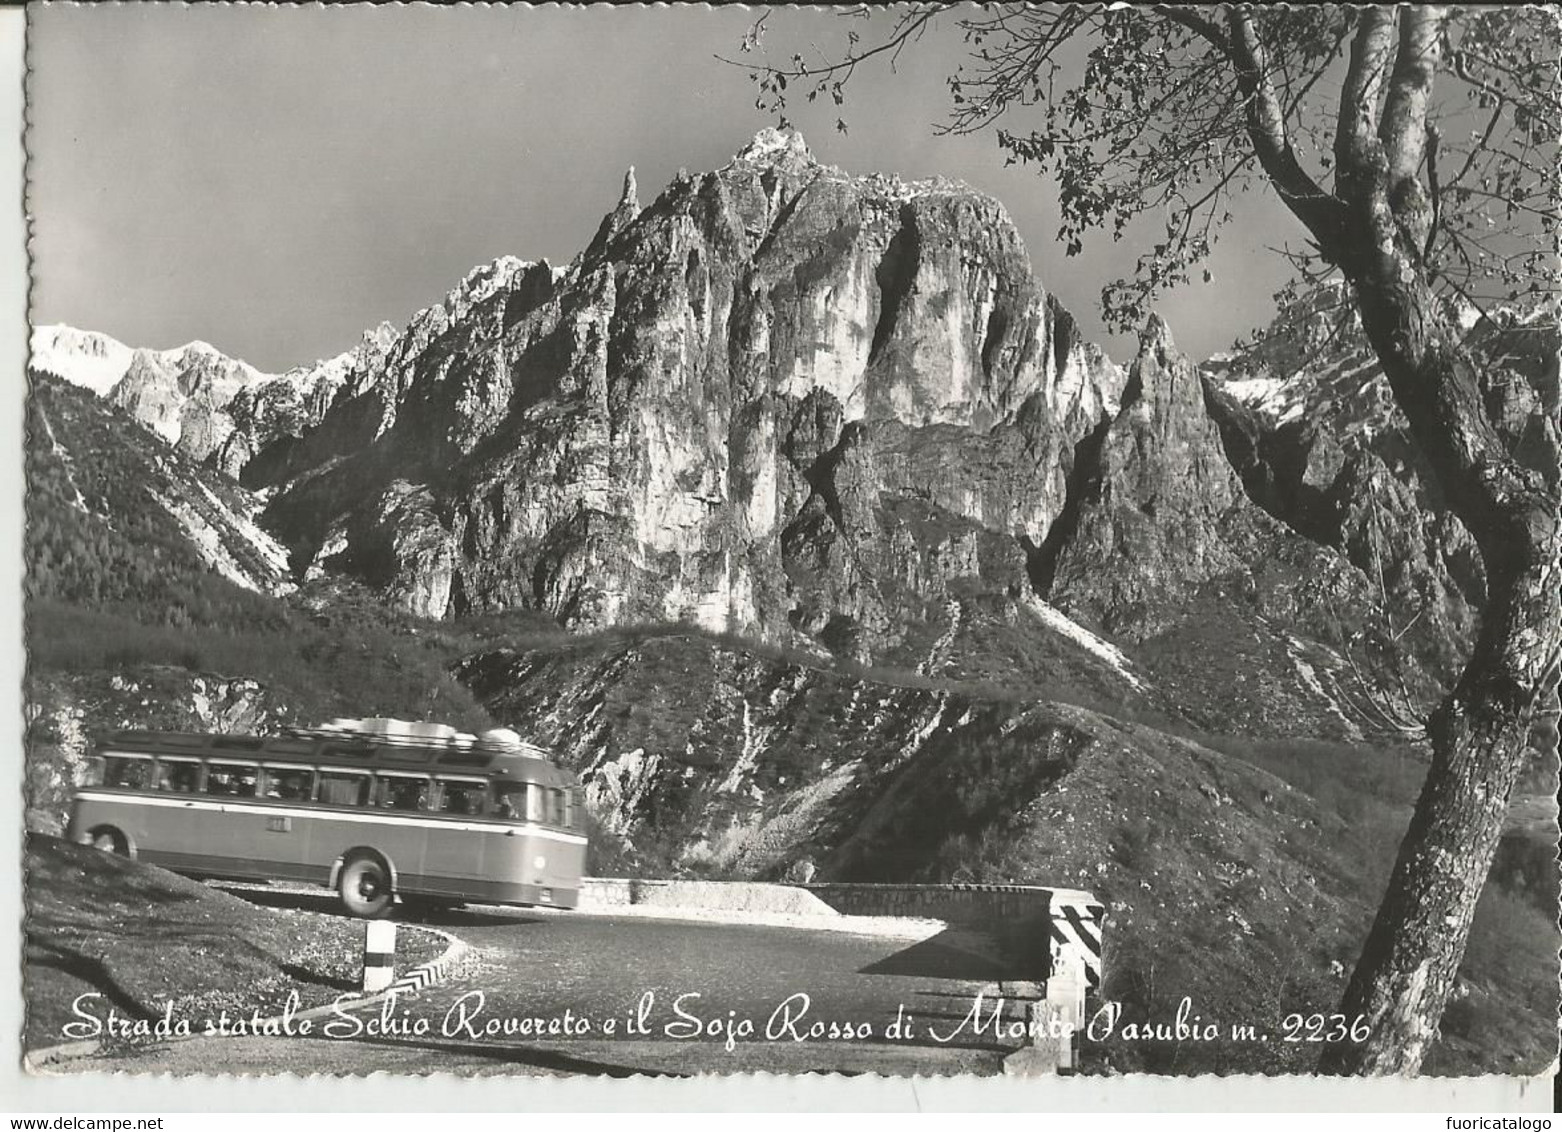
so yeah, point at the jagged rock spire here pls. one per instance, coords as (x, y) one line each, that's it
(630, 198)
(621, 217)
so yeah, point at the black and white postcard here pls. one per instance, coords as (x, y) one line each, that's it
(999, 541)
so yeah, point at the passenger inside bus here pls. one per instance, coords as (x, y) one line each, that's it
(520, 801)
(180, 777)
(463, 798)
(289, 785)
(231, 779)
(399, 793)
(127, 773)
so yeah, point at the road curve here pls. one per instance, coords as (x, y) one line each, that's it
(568, 992)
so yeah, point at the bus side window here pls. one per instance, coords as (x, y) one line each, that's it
(127, 772)
(403, 792)
(461, 797)
(344, 788)
(178, 775)
(290, 784)
(235, 780)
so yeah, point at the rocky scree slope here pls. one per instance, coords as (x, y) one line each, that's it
(114, 514)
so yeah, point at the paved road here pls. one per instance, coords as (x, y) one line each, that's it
(555, 992)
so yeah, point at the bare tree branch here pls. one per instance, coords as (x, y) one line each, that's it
(1267, 130)
(1403, 128)
(1357, 152)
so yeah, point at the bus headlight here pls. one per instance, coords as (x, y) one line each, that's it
(540, 863)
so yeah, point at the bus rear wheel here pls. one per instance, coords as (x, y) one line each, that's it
(110, 840)
(365, 887)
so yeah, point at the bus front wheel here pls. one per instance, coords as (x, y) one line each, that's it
(365, 887)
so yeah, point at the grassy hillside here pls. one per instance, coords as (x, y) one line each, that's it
(144, 939)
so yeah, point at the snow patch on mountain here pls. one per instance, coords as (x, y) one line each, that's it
(82, 357)
(207, 540)
(98, 362)
(1277, 398)
(267, 548)
(1061, 623)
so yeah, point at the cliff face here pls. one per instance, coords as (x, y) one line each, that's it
(1157, 515)
(778, 399)
(1311, 426)
(840, 413)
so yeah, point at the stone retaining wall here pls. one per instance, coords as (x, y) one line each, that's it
(702, 895)
(969, 905)
(1017, 917)
(1025, 921)
(1045, 935)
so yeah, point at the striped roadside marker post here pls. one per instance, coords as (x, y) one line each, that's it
(1064, 1007)
(1074, 938)
(379, 955)
(1076, 930)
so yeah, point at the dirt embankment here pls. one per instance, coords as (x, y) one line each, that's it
(149, 944)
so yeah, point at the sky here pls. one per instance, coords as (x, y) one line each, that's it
(276, 180)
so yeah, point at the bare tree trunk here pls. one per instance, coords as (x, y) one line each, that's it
(1479, 733)
(1375, 227)
(1412, 955)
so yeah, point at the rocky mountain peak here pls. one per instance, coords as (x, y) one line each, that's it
(614, 223)
(783, 146)
(784, 400)
(86, 358)
(1157, 336)
(1162, 381)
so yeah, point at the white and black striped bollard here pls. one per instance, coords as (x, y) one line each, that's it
(379, 955)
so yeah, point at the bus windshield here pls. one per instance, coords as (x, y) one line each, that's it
(529, 801)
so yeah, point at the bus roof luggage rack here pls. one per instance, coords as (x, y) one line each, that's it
(499, 739)
(158, 738)
(466, 758)
(367, 735)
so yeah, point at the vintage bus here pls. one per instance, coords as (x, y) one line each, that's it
(376, 809)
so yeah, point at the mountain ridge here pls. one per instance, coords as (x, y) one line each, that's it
(840, 413)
